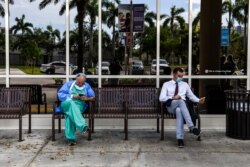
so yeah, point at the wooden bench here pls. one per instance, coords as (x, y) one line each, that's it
(124, 103)
(110, 103)
(132, 102)
(14, 103)
(127, 103)
(37, 97)
(142, 103)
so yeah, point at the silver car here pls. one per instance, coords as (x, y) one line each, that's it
(137, 67)
(163, 65)
(105, 68)
(57, 67)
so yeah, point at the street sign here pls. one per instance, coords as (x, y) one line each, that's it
(138, 17)
(224, 37)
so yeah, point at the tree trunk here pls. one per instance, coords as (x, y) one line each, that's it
(229, 30)
(91, 47)
(245, 35)
(80, 10)
(113, 39)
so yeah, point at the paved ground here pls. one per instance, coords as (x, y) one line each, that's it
(14, 71)
(143, 149)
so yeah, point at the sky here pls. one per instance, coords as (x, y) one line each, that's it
(50, 14)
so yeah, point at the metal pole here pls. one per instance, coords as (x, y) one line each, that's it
(158, 24)
(126, 57)
(7, 46)
(131, 32)
(190, 42)
(67, 17)
(99, 43)
(248, 54)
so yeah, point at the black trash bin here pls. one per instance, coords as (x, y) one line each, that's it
(215, 99)
(238, 114)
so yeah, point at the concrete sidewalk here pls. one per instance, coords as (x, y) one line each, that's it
(143, 149)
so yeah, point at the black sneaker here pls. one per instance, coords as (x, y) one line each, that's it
(196, 131)
(180, 143)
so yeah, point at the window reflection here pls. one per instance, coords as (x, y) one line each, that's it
(124, 47)
(228, 31)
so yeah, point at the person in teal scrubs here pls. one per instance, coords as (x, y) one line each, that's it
(73, 96)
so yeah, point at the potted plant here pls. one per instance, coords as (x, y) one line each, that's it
(58, 81)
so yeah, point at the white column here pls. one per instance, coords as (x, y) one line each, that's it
(99, 43)
(190, 29)
(158, 43)
(248, 53)
(7, 46)
(67, 21)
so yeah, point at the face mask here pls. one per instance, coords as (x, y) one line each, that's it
(78, 87)
(178, 79)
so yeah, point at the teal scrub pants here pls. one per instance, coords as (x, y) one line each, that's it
(73, 118)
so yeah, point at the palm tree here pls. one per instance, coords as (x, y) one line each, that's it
(144, 39)
(109, 16)
(241, 15)
(2, 12)
(52, 35)
(92, 10)
(22, 26)
(81, 8)
(229, 7)
(150, 18)
(25, 29)
(196, 21)
(175, 16)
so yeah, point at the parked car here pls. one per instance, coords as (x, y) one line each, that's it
(137, 67)
(163, 65)
(105, 68)
(58, 67)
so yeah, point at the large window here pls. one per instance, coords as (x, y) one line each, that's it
(37, 44)
(127, 42)
(174, 36)
(225, 43)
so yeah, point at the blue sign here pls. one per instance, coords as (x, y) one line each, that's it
(224, 37)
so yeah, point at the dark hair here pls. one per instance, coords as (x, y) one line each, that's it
(222, 58)
(230, 58)
(177, 69)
